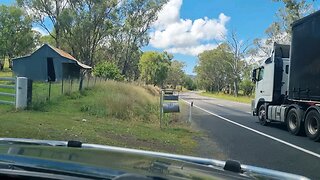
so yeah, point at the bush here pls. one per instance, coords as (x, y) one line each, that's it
(247, 87)
(108, 70)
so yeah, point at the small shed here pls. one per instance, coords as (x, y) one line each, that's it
(48, 64)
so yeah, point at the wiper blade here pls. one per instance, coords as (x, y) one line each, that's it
(23, 141)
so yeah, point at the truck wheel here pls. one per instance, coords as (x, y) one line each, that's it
(262, 115)
(293, 122)
(312, 125)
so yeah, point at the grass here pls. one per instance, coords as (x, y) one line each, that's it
(240, 98)
(112, 113)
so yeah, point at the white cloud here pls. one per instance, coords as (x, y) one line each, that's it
(185, 36)
(40, 30)
(192, 50)
(169, 14)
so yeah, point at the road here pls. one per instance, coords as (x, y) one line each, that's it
(238, 134)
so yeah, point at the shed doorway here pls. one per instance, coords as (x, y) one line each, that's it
(50, 70)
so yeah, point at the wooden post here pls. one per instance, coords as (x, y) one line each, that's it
(29, 92)
(49, 90)
(62, 86)
(161, 110)
(71, 85)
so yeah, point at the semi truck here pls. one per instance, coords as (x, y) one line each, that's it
(287, 84)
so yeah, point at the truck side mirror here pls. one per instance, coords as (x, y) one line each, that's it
(254, 75)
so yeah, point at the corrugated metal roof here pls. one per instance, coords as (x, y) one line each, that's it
(61, 53)
(68, 56)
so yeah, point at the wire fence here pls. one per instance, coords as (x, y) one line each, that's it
(46, 91)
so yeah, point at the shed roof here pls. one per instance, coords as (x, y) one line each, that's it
(68, 56)
(62, 54)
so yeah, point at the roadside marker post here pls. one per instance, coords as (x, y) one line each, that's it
(190, 111)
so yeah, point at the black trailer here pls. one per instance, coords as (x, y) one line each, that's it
(304, 79)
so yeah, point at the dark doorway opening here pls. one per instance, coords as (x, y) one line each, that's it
(50, 70)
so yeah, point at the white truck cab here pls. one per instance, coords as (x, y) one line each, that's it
(271, 80)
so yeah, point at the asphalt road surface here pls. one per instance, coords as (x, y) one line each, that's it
(238, 134)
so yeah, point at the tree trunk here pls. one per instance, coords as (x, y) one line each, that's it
(236, 88)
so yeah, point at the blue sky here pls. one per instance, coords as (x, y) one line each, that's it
(188, 27)
(248, 18)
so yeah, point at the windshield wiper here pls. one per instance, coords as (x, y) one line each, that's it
(232, 166)
(22, 141)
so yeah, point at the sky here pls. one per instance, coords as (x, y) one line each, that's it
(186, 28)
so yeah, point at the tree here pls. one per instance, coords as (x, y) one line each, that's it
(280, 31)
(87, 23)
(175, 74)
(292, 11)
(238, 49)
(154, 67)
(52, 10)
(107, 70)
(16, 35)
(134, 19)
(189, 83)
(46, 39)
(213, 70)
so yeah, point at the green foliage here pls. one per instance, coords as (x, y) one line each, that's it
(213, 70)
(108, 70)
(175, 73)
(293, 10)
(189, 83)
(130, 33)
(94, 30)
(16, 35)
(86, 24)
(247, 87)
(154, 67)
(47, 39)
(53, 10)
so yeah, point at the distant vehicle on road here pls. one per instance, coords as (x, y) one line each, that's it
(288, 82)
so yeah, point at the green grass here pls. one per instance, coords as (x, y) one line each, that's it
(111, 113)
(240, 98)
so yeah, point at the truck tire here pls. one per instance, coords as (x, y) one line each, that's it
(293, 122)
(262, 115)
(312, 125)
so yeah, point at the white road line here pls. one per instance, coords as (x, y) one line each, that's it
(258, 132)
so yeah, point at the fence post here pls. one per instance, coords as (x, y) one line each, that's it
(161, 108)
(70, 85)
(49, 90)
(88, 83)
(62, 86)
(29, 92)
(21, 92)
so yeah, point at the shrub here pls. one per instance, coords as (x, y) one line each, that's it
(108, 70)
